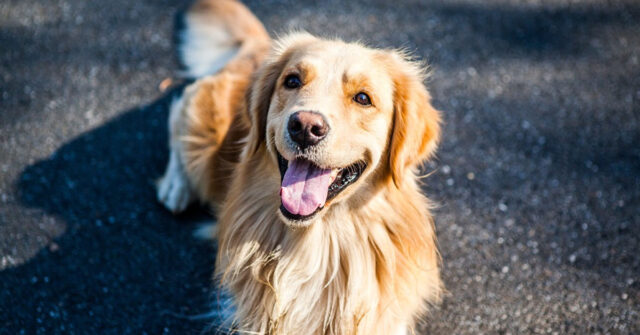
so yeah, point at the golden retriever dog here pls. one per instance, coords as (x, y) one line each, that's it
(308, 150)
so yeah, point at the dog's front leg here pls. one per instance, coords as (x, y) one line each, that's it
(173, 188)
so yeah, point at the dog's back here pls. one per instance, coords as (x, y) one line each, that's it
(220, 44)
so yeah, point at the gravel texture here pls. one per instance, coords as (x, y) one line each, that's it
(537, 178)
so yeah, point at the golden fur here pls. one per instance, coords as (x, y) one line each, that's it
(368, 262)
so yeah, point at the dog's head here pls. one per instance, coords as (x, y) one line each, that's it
(335, 116)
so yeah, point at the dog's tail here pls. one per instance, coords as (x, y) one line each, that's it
(213, 33)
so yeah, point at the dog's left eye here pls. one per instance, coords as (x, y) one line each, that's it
(363, 99)
(292, 81)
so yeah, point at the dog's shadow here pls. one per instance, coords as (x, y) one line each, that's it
(124, 263)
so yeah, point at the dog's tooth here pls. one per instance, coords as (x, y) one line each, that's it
(334, 174)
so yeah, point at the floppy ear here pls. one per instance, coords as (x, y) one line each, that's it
(416, 124)
(258, 101)
(265, 81)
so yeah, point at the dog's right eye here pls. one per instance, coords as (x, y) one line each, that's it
(292, 81)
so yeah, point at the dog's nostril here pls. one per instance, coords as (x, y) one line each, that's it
(319, 130)
(294, 124)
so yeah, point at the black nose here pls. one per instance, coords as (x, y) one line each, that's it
(307, 128)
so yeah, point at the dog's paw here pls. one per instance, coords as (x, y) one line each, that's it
(174, 191)
(207, 231)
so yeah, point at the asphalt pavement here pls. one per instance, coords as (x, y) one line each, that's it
(537, 179)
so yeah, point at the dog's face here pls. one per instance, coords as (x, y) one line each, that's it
(331, 114)
(328, 124)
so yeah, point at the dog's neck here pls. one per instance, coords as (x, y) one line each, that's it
(345, 270)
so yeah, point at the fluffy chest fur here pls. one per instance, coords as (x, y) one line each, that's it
(358, 270)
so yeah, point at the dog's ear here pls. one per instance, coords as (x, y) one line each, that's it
(416, 124)
(259, 98)
(265, 81)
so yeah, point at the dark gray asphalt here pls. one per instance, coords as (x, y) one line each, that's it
(537, 179)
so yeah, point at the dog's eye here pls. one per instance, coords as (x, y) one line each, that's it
(292, 81)
(363, 99)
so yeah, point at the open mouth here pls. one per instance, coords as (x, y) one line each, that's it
(306, 187)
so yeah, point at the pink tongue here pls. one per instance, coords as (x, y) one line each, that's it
(304, 187)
